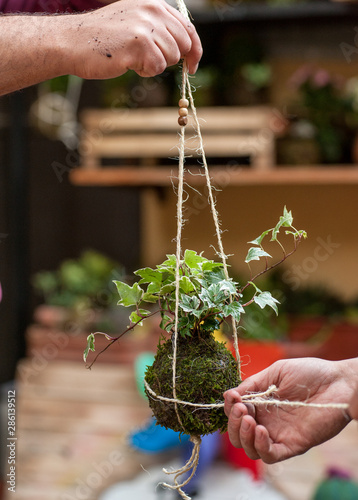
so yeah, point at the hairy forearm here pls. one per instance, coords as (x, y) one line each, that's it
(33, 50)
(141, 35)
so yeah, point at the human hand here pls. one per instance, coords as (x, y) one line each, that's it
(143, 35)
(276, 433)
(353, 407)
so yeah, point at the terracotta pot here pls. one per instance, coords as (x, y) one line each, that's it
(304, 328)
(258, 355)
(343, 343)
(51, 315)
(46, 344)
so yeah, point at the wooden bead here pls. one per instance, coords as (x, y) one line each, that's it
(182, 120)
(183, 103)
(183, 111)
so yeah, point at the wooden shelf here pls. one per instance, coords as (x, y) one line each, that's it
(221, 176)
(257, 12)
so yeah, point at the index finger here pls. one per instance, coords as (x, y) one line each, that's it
(231, 397)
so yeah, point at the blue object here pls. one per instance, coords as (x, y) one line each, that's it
(155, 438)
(141, 364)
(152, 438)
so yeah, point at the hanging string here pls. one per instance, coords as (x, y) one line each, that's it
(180, 224)
(256, 399)
(214, 212)
(186, 85)
(184, 11)
(191, 465)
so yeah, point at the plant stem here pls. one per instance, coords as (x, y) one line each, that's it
(285, 256)
(131, 327)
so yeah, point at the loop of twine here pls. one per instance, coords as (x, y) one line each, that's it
(256, 399)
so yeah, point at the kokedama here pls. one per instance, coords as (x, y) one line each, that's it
(204, 367)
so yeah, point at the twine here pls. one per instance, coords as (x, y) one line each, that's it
(215, 214)
(190, 465)
(193, 461)
(180, 224)
(186, 86)
(256, 399)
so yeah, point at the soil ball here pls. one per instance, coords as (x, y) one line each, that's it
(205, 369)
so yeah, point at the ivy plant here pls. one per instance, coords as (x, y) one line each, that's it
(206, 295)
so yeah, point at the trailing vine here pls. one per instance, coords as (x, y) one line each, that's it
(207, 296)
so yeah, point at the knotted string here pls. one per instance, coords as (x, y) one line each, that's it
(256, 399)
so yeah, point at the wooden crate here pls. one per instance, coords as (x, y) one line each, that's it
(72, 427)
(134, 140)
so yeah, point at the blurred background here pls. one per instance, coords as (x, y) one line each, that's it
(288, 71)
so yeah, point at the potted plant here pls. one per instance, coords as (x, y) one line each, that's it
(203, 301)
(329, 108)
(78, 297)
(78, 291)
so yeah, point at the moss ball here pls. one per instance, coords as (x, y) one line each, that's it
(205, 369)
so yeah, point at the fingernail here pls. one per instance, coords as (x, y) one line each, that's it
(245, 426)
(237, 413)
(230, 396)
(194, 69)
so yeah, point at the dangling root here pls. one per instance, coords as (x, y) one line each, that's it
(190, 465)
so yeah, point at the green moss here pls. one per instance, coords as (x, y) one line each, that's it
(205, 370)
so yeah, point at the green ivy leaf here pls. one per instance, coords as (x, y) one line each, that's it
(189, 304)
(90, 346)
(259, 239)
(137, 318)
(210, 324)
(298, 233)
(255, 253)
(286, 220)
(186, 286)
(129, 295)
(209, 296)
(169, 288)
(165, 322)
(192, 259)
(170, 263)
(210, 266)
(184, 326)
(149, 297)
(227, 286)
(234, 309)
(154, 287)
(134, 318)
(149, 275)
(211, 277)
(264, 299)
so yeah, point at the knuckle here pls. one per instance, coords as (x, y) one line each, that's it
(175, 57)
(186, 46)
(156, 67)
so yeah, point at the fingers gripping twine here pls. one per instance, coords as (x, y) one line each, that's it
(256, 399)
